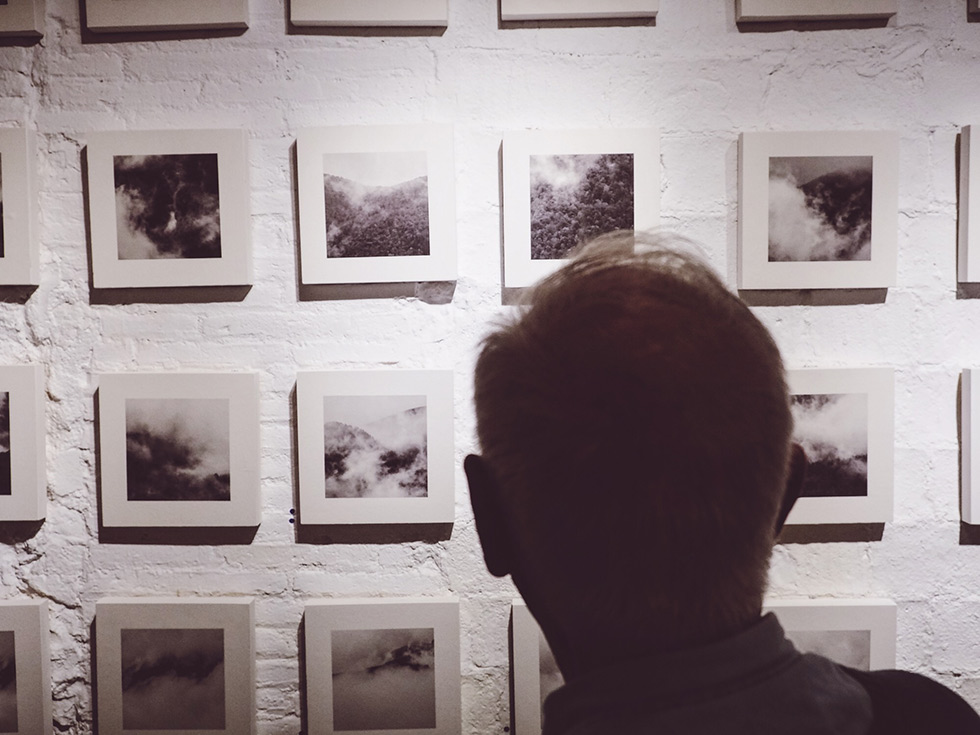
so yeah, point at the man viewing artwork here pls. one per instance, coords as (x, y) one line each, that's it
(636, 467)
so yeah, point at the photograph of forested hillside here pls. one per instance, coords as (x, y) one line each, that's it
(577, 197)
(376, 204)
(820, 208)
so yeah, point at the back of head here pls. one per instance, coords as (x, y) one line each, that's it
(636, 417)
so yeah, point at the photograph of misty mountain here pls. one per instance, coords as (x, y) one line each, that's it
(173, 679)
(848, 647)
(832, 428)
(820, 208)
(6, 485)
(375, 447)
(376, 204)
(167, 206)
(575, 198)
(8, 683)
(383, 679)
(178, 449)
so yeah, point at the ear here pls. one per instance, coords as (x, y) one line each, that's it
(794, 484)
(491, 525)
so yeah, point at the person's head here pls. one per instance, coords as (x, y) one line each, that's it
(634, 425)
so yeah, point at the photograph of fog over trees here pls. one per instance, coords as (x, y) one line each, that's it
(820, 208)
(548, 670)
(376, 204)
(383, 679)
(576, 197)
(848, 647)
(832, 428)
(167, 206)
(173, 679)
(8, 683)
(178, 449)
(375, 447)
(6, 485)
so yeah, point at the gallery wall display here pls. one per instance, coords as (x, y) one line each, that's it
(23, 477)
(376, 204)
(375, 446)
(860, 634)
(22, 19)
(179, 449)
(970, 449)
(19, 257)
(175, 665)
(383, 665)
(25, 663)
(818, 210)
(844, 419)
(169, 208)
(577, 9)
(533, 668)
(427, 13)
(173, 15)
(763, 10)
(968, 266)
(565, 187)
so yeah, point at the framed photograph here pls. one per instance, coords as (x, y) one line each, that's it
(173, 15)
(424, 13)
(23, 476)
(175, 665)
(25, 668)
(763, 10)
(375, 446)
(377, 204)
(818, 210)
(845, 421)
(22, 19)
(383, 665)
(968, 266)
(169, 208)
(860, 634)
(577, 9)
(179, 449)
(563, 188)
(534, 671)
(19, 257)
(970, 452)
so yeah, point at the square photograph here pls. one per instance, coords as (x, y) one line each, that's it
(169, 208)
(857, 633)
(511, 10)
(376, 204)
(785, 10)
(375, 447)
(534, 670)
(23, 476)
(173, 15)
(817, 210)
(25, 678)
(22, 18)
(179, 449)
(175, 665)
(383, 665)
(844, 421)
(563, 188)
(412, 13)
(19, 254)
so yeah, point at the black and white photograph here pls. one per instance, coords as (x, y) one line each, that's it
(2, 252)
(20, 260)
(848, 647)
(112, 16)
(820, 208)
(368, 13)
(173, 679)
(551, 677)
(8, 682)
(550, 10)
(6, 486)
(384, 679)
(167, 206)
(833, 431)
(576, 197)
(375, 447)
(22, 18)
(755, 11)
(376, 204)
(178, 449)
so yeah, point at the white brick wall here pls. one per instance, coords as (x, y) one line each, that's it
(694, 76)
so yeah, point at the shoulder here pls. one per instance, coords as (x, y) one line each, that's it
(904, 702)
